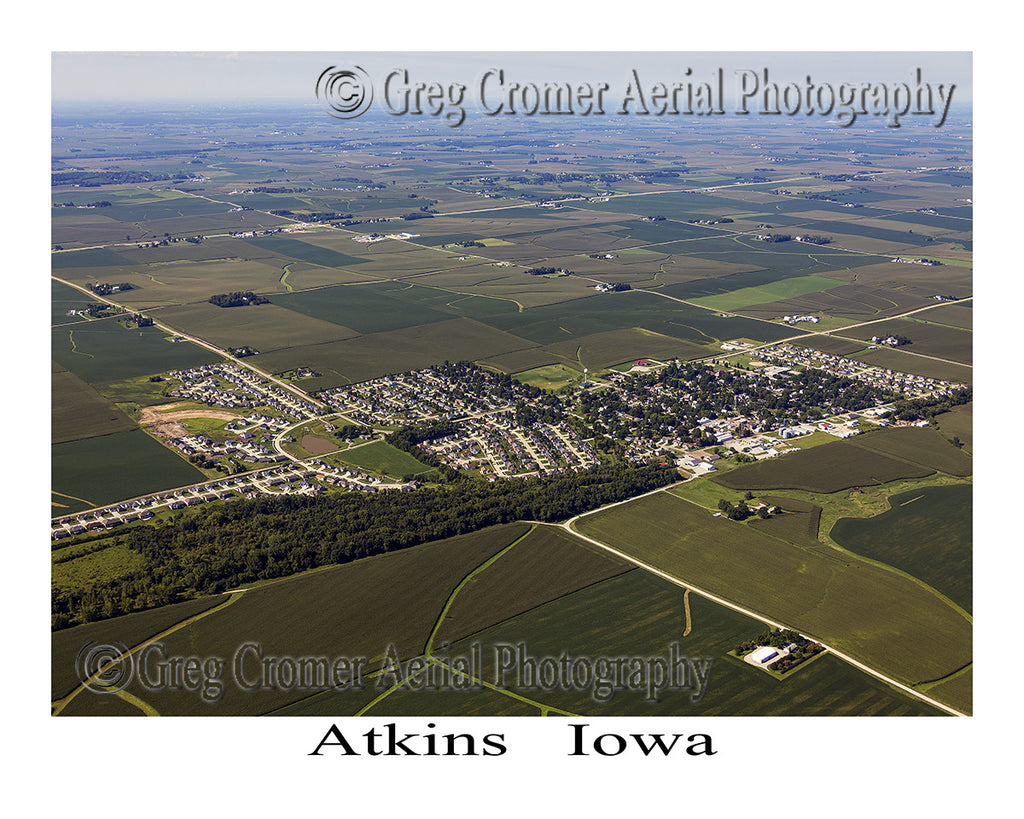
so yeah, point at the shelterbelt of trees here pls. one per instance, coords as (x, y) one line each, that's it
(206, 551)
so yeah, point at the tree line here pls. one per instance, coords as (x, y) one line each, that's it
(207, 550)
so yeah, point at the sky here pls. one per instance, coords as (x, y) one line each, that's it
(246, 76)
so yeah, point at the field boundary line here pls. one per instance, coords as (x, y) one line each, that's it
(451, 597)
(137, 702)
(59, 705)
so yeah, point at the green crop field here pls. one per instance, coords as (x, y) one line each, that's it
(926, 338)
(94, 257)
(926, 533)
(958, 423)
(622, 311)
(879, 616)
(784, 289)
(782, 258)
(826, 468)
(79, 411)
(957, 314)
(601, 350)
(550, 377)
(521, 361)
(129, 630)
(368, 308)
(63, 299)
(132, 208)
(553, 597)
(547, 564)
(306, 251)
(263, 327)
(106, 351)
(683, 205)
(845, 303)
(364, 357)
(906, 362)
(638, 615)
(94, 471)
(919, 445)
(350, 611)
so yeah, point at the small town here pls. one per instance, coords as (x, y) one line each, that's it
(686, 414)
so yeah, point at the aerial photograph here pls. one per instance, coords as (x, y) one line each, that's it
(510, 384)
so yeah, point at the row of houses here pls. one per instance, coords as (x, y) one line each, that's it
(232, 386)
(913, 386)
(310, 477)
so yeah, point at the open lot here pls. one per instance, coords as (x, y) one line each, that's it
(383, 458)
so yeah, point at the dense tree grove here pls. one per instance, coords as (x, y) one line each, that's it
(209, 550)
(237, 298)
(93, 179)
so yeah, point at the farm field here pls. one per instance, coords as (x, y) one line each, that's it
(546, 565)
(64, 299)
(925, 338)
(846, 303)
(519, 361)
(958, 423)
(129, 630)
(379, 308)
(79, 411)
(926, 533)
(958, 314)
(613, 611)
(826, 468)
(376, 354)
(104, 350)
(601, 350)
(621, 311)
(103, 469)
(907, 362)
(264, 327)
(920, 445)
(637, 615)
(386, 600)
(874, 614)
(786, 288)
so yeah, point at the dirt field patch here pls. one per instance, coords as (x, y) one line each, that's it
(163, 419)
